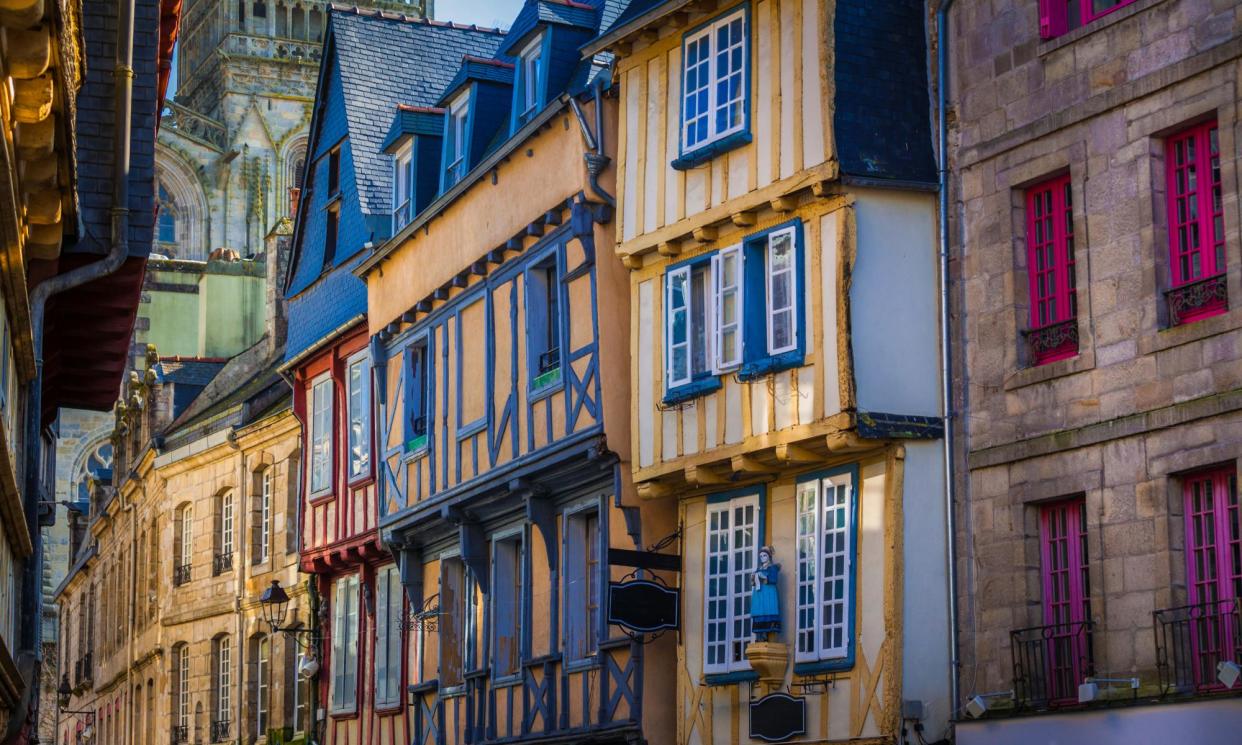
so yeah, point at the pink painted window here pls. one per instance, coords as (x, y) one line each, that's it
(1196, 224)
(1214, 568)
(1050, 266)
(1058, 17)
(1067, 596)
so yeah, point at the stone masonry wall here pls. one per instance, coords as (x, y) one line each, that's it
(1142, 402)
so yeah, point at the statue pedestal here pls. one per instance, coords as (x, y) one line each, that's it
(769, 659)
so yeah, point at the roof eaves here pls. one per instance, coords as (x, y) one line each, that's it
(618, 33)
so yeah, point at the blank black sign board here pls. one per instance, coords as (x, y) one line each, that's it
(777, 717)
(643, 606)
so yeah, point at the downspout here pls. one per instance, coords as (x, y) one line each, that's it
(123, 75)
(240, 542)
(596, 159)
(946, 366)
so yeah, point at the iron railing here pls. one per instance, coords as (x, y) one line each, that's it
(220, 730)
(1049, 662)
(181, 574)
(1195, 299)
(549, 360)
(77, 672)
(1191, 640)
(180, 734)
(87, 671)
(222, 563)
(1052, 341)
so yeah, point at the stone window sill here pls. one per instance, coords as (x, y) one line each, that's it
(1051, 45)
(1085, 360)
(1175, 336)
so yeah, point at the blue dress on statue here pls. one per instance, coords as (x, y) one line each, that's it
(765, 607)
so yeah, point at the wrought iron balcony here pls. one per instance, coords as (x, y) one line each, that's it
(222, 563)
(77, 672)
(1191, 640)
(1052, 342)
(1049, 662)
(87, 671)
(419, 425)
(1195, 300)
(180, 734)
(181, 574)
(220, 731)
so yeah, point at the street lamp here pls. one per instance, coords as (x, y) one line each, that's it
(64, 692)
(275, 602)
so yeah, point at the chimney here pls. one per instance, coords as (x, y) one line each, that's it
(295, 194)
(276, 254)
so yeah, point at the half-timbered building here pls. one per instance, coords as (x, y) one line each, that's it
(776, 215)
(500, 334)
(345, 208)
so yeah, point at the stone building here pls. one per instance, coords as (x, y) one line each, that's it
(1097, 294)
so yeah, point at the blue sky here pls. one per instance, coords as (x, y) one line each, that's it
(494, 13)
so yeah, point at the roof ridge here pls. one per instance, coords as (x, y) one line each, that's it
(420, 109)
(394, 16)
(572, 4)
(486, 61)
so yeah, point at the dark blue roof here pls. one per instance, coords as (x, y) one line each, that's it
(622, 13)
(545, 12)
(478, 68)
(414, 120)
(376, 62)
(387, 60)
(324, 307)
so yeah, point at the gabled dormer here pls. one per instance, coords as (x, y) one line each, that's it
(477, 105)
(544, 42)
(415, 141)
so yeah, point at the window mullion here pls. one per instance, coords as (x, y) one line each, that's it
(712, 72)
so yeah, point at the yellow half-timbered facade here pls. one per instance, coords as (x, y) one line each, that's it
(776, 213)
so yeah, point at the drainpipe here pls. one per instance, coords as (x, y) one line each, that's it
(946, 366)
(596, 159)
(123, 76)
(240, 542)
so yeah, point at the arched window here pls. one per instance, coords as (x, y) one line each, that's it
(224, 533)
(261, 517)
(184, 548)
(96, 464)
(167, 225)
(316, 25)
(222, 687)
(181, 694)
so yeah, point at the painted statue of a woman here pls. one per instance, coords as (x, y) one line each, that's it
(765, 606)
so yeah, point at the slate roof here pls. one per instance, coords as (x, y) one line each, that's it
(414, 120)
(555, 12)
(477, 68)
(384, 60)
(226, 403)
(188, 371)
(324, 307)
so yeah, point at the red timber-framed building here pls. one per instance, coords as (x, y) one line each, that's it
(345, 207)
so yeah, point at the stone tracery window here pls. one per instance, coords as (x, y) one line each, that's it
(167, 224)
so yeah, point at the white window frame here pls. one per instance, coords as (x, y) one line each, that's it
(226, 522)
(770, 278)
(455, 125)
(813, 621)
(320, 460)
(531, 59)
(734, 584)
(224, 679)
(389, 609)
(183, 687)
(344, 663)
(680, 275)
(721, 287)
(402, 186)
(187, 535)
(360, 460)
(265, 514)
(713, 79)
(263, 683)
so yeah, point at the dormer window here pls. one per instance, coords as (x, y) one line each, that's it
(402, 188)
(334, 172)
(456, 145)
(529, 94)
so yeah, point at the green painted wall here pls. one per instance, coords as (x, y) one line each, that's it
(197, 309)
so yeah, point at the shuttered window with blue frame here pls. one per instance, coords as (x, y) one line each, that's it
(740, 310)
(418, 376)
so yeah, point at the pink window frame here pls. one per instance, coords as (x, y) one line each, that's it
(1054, 15)
(1195, 209)
(1214, 576)
(1050, 235)
(1067, 596)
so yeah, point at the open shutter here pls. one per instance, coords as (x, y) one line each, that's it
(382, 621)
(727, 307)
(716, 590)
(677, 327)
(808, 532)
